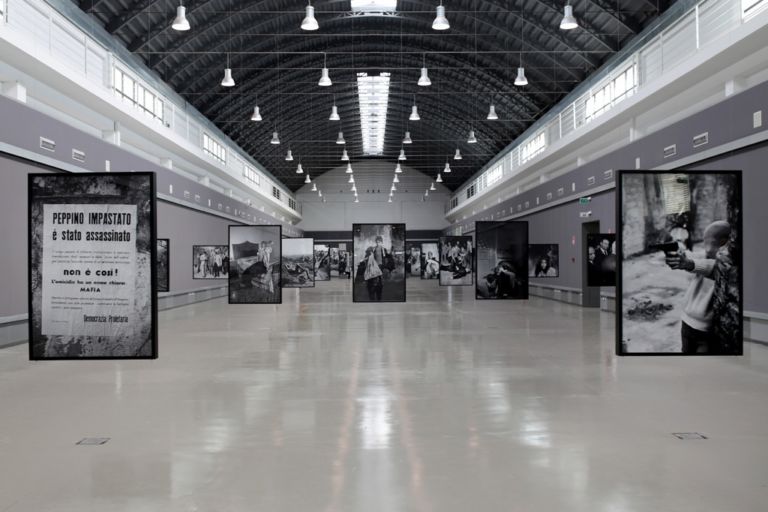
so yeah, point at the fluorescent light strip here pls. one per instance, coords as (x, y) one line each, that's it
(373, 96)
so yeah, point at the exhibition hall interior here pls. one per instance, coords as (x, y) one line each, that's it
(383, 255)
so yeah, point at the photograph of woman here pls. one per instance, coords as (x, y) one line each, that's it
(379, 252)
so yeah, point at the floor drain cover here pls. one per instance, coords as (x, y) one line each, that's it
(93, 441)
(688, 435)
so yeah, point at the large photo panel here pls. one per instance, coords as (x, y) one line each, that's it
(502, 260)
(254, 265)
(298, 263)
(163, 264)
(679, 263)
(92, 271)
(601, 259)
(379, 259)
(430, 260)
(322, 262)
(413, 259)
(210, 261)
(543, 260)
(456, 256)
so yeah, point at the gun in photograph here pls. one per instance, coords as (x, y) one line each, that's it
(666, 247)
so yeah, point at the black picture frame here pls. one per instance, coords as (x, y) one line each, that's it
(328, 256)
(220, 246)
(620, 254)
(355, 229)
(603, 276)
(425, 250)
(537, 252)
(277, 289)
(164, 285)
(518, 229)
(282, 263)
(151, 203)
(443, 240)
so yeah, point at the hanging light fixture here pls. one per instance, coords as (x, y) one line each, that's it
(472, 139)
(391, 193)
(424, 80)
(398, 169)
(228, 81)
(457, 155)
(256, 116)
(334, 111)
(299, 170)
(354, 188)
(344, 156)
(432, 186)
(397, 179)
(426, 193)
(357, 200)
(492, 113)
(351, 179)
(340, 139)
(414, 114)
(407, 138)
(309, 22)
(325, 79)
(402, 155)
(569, 20)
(275, 139)
(289, 156)
(390, 199)
(314, 187)
(441, 22)
(180, 23)
(520, 79)
(439, 178)
(307, 179)
(349, 169)
(394, 188)
(447, 168)
(320, 193)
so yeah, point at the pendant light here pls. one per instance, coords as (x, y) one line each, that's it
(426, 194)
(299, 170)
(407, 138)
(228, 81)
(349, 169)
(569, 20)
(180, 23)
(457, 155)
(344, 156)
(432, 186)
(340, 139)
(492, 113)
(424, 80)
(357, 200)
(397, 179)
(314, 187)
(309, 22)
(325, 79)
(307, 179)
(391, 193)
(275, 139)
(354, 188)
(394, 188)
(414, 113)
(402, 155)
(334, 111)
(472, 139)
(256, 116)
(390, 199)
(351, 179)
(319, 193)
(289, 156)
(439, 178)
(441, 22)
(447, 168)
(520, 79)
(398, 169)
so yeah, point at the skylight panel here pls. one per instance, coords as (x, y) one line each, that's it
(374, 6)
(373, 96)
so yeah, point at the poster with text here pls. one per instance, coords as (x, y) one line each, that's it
(502, 260)
(92, 266)
(254, 264)
(379, 258)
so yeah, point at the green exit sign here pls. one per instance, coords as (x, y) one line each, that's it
(585, 200)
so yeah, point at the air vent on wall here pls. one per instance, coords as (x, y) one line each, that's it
(670, 151)
(560, 191)
(701, 139)
(608, 175)
(591, 180)
(527, 204)
(78, 155)
(197, 198)
(549, 196)
(47, 144)
(519, 207)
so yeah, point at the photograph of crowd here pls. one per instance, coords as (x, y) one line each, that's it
(430, 264)
(502, 260)
(210, 261)
(322, 262)
(298, 263)
(379, 256)
(543, 260)
(163, 262)
(455, 260)
(413, 260)
(680, 272)
(254, 268)
(601, 259)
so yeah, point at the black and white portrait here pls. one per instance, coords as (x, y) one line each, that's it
(163, 262)
(92, 266)
(254, 266)
(298, 263)
(502, 260)
(379, 258)
(413, 260)
(322, 262)
(430, 261)
(210, 261)
(543, 260)
(601, 259)
(345, 264)
(456, 257)
(680, 273)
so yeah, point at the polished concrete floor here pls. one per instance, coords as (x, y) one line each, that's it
(440, 404)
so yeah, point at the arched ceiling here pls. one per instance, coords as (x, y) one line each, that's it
(277, 66)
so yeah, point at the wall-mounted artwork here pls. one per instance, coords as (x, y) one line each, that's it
(543, 260)
(379, 258)
(322, 262)
(413, 260)
(502, 260)
(163, 264)
(255, 264)
(456, 256)
(210, 261)
(345, 265)
(430, 261)
(601, 259)
(680, 277)
(93, 266)
(298, 263)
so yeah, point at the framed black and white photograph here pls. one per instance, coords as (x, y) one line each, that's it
(322, 262)
(501, 263)
(333, 252)
(543, 260)
(298, 263)
(379, 258)
(255, 264)
(430, 261)
(93, 266)
(163, 264)
(210, 261)
(456, 256)
(345, 264)
(601, 259)
(680, 277)
(413, 260)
